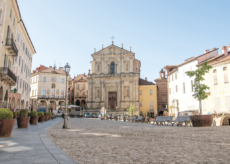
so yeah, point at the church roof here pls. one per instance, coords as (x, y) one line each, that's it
(145, 82)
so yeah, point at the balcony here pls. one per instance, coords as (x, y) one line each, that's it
(11, 46)
(50, 97)
(8, 76)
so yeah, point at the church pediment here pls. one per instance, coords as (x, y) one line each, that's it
(112, 50)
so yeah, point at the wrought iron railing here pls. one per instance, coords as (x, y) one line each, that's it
(50, 97)
(7, 71)
(10, 42)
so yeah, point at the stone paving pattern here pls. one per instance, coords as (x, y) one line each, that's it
(32, 145)
(95, 141)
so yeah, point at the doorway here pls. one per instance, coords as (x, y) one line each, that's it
(112, 100)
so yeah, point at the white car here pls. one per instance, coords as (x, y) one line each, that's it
(57, 113)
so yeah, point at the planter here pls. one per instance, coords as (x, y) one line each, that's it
(6, 127)
(23, 122)
(41, 119)
(49, 117)
(201, 120)
(34, 120)
(46, 118)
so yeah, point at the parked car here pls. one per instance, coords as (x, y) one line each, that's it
(86, 115)
(94, 115)
(57, 113)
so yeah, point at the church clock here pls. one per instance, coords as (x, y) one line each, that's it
(53, 79)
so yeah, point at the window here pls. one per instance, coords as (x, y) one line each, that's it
(20, 83)
(0, 15)
(77, 93)
(62, 93)
(224, 68)
(112, 67)
(175, 76)
(172, 77)
(35, 91)
(18, 38)
(83, 94)
(62, 80)
(183, 87)
(169, 90)
(215, 79)
(227, 99)
(19, 60)
(151, 92)
(43, 91)
(98, 93)
(176, 89)
(191, 85)
(32, 92)
(140, 103)
(217, 104)
(83, 86)
(52, 85)
(10, 13)
(52, 92)
(98, 67)
(14, 22)
(77, 86)
(225, 77)
(140, 92)
(214, 71)
(151, 104)
(44, 78)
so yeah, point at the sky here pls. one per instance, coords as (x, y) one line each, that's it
(160, 32)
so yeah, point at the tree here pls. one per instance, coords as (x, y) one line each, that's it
(131, 109)
(199, 89)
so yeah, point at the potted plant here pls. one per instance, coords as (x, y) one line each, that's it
(46, 114)
(15, 114)
(34, 118)
(23, 119)
(41, 117)
(199, 94)
(6, 122)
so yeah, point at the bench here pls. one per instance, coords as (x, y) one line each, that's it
(138, 119)
(132, 119)
(163, 119)
(181, 120)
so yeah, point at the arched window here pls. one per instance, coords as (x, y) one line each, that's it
(98, 67)
(112, 67)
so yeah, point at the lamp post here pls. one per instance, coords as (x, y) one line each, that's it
(67, 70)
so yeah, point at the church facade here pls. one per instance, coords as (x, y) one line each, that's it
(113, 81)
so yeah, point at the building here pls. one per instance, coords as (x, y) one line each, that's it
(162, 92)
(16, 52)
(113, 82)
(147, 98)
(218, 101)
(80, 90)
(71, 91)
(180, 85)
(48, 87)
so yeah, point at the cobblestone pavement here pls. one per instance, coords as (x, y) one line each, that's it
(95, 141)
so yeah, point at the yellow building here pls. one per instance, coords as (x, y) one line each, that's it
(147, 97)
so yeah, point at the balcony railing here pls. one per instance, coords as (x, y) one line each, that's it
(11, 46)
(8, 75)
(50, 97)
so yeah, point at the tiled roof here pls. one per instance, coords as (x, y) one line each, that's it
(145, 82)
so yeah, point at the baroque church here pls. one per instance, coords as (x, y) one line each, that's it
(113, 80)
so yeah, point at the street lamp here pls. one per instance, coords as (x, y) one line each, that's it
(67, 70)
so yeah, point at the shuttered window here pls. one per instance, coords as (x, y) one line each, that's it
(151, 104)
(215, 80)
(225, 77)
(140, 92)
(217, 104)
(140, 103)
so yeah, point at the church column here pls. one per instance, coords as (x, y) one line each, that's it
(108, 69)
(116, 68)
(117, 98)
(121, 64)
(131, 64)
(92, 95)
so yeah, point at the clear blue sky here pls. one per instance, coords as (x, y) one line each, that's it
(161, 32)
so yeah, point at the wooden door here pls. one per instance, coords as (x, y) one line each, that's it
(112, 99)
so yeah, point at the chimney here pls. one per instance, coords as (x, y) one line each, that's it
(229, 47)
(34, 71)
(213, 48)
(205, 51)
(224, 50)
(146, 78)
(60, 68)
(50, 66)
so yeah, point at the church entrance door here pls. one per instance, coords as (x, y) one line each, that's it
(112, 99)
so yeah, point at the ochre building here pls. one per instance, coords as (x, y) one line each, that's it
(147, 97)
